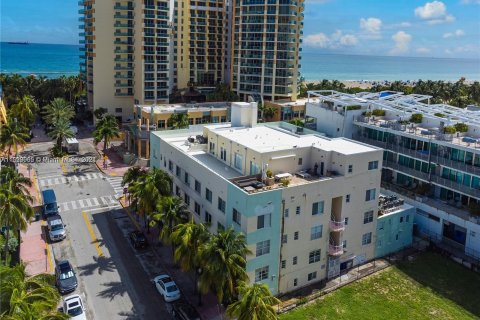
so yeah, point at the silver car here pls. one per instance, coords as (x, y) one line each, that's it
(56, 228)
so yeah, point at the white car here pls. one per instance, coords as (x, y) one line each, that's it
(167, 288)
(73, 306)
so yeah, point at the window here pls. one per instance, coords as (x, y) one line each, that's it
(212, 147)
(223, 153)
(208, 195)
(372, 165)
(367, 238)
(221, 204)
(294, 261)
(396, 237)
(317, 208)
(285, 213)
(198, 186)
(261, 274)
(312, 275)
(284, 264)
(401, 219)
(238, 161)
(295, 282)
(178, 171)
(208, 218)
(295, 235)
(237, 217)
(177, 191)
(370, 195)
(297, 210)
(344, 244)
(350, 168)
(170, 165)
(346, 220)
(316, 232)
(220, 227)
(264, 221)
(187, 178)
(197, 208)
(284, 238)
(368, 217)
(314, 256)
(300, 161)
(118, 110)
(347, 198)
(407, 218)
(263, 247)
(187, 199)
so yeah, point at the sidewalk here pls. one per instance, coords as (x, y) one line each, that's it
(115, 165)
(34, 251)
(210, 308)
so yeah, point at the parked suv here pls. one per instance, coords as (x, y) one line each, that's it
(65, 278)
(56, 228)
(138, 239)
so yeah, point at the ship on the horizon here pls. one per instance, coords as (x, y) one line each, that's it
(14, 42)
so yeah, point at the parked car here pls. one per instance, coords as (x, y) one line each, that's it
(56, 228)
(50, 206)
(184, 311)
(65, 278)
(138, 239)
(167, 288)
(74, 307)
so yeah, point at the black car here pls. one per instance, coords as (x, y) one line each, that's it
(65, 278)
(184, 311)
(138, 239)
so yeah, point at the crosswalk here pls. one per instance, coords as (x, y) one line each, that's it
(116, 183)
(82, 204)
(55, 180)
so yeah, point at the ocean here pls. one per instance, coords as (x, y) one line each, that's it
(54, 60)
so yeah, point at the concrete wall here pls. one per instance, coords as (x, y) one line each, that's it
(333, 123)
(394, 231)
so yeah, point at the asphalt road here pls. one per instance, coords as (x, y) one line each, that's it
(112, 282)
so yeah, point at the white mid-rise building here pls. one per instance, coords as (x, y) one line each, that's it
(307, 204)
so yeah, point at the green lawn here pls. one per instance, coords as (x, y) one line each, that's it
(431, 287)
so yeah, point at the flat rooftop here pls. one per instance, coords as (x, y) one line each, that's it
(172, 108)
(265, 138)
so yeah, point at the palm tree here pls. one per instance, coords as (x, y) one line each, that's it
(269, 112)
(256, 303)
(132, 175)
(28, 298)
(178, 121)
(15, 210)
(170, 211)
(57, 110)
(297, 122)
(189, 239)
(25, 110)
(20, 183)
(223, 264)
(13, 135)
(106, 129)
(61, 130)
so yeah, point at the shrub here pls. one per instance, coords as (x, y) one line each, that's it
(58, 152)
(449, 129)
(269, 173)
(378, 112)
(416, 118)
(367, 114)
(285, 182)
(356, 107)
(461, 127)
(12, 242)
(438, 114)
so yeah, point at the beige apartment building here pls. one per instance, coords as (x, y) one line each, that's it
(140, 52)
(316, 214)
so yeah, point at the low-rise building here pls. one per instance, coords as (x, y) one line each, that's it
(306, 203)
(286, 110)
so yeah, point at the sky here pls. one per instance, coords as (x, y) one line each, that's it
(447, 28)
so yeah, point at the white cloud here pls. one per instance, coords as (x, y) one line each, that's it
(334, 41)
(402, 42)
(470, 1)
(371, 26)
(319, 40)
(434, 12)
(404, 24)
(457, 33)
(431, 10)
(423, 50)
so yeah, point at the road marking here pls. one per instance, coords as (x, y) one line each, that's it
(42, 183)
(104, 201)
(92, 233)
(62, 165)
(127, 209)
(103, 208)
(112, 200)
(74, 205)
(65, 207)
(95, 202)
(49, 266)
(89, 204)
(80, 202)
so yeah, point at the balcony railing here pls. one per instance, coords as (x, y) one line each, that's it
(337, 226)
(334, 250)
